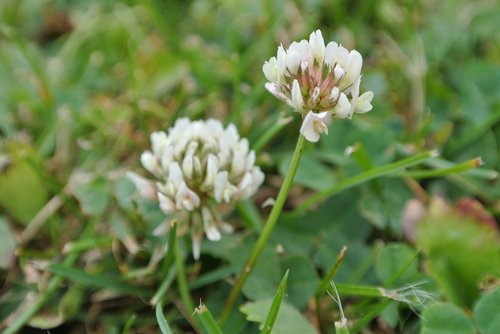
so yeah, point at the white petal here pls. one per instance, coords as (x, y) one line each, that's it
(145, 187)
(297, 100)
(281, 63)
(270, 69)
(317, 46)
(197, 168)
(188, 166)
(363, 103)
(245, 186)
(354, 90)
(149, 162)
(166, 204)
(330, 52)
(211, 171)
(175, 174)
(338, 73)
(219, 185)
(336, 54)
(314, 124)
(223, 189)
(186, 198)
(353, 69)
(196, 241)
(334, 95)
(250, 160)
(257, 179)
(315, 95)
(293, 62)
(273, 89)
(237, 164)
(343, 107)
(158, 142)
(209, 225)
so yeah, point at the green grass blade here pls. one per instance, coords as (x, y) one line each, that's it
(275, 306)
(454, 169)
(325, 282)
(361, 178)
(167, 265)
(162, 322)
(207, 320)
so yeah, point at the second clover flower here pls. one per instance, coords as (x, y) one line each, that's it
(198, 165)
(318, 81)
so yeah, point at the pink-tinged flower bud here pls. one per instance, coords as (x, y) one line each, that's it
(314, 78)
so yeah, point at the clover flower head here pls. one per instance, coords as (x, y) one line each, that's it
(198, 165)
(318, 81)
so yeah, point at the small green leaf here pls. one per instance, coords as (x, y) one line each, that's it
(445, 318)
(162, 322)
(22, 193)
(396, 259)
(123, 191)
(93, 196)
(275, 306)
(289, 320)
(487, 313)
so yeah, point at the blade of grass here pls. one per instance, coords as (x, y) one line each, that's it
(129, 323)
(458, 168)
(359, 179)
(372, 313)
(162, 322)
(168, 271)
(165, 284)
(207, 320)
(170, 256)
(85, 244)
(275, 306)
(325, 282)
(181, 280)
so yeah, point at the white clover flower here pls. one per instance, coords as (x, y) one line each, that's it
(318, 81)
(198, 165)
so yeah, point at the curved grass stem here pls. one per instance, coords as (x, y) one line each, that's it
(266, 231)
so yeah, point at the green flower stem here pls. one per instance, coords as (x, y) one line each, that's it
(182, 282)
(266, 231)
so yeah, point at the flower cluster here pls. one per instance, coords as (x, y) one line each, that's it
(318, 81)
(197, 165)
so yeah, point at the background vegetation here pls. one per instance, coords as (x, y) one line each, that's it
(84, 83)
